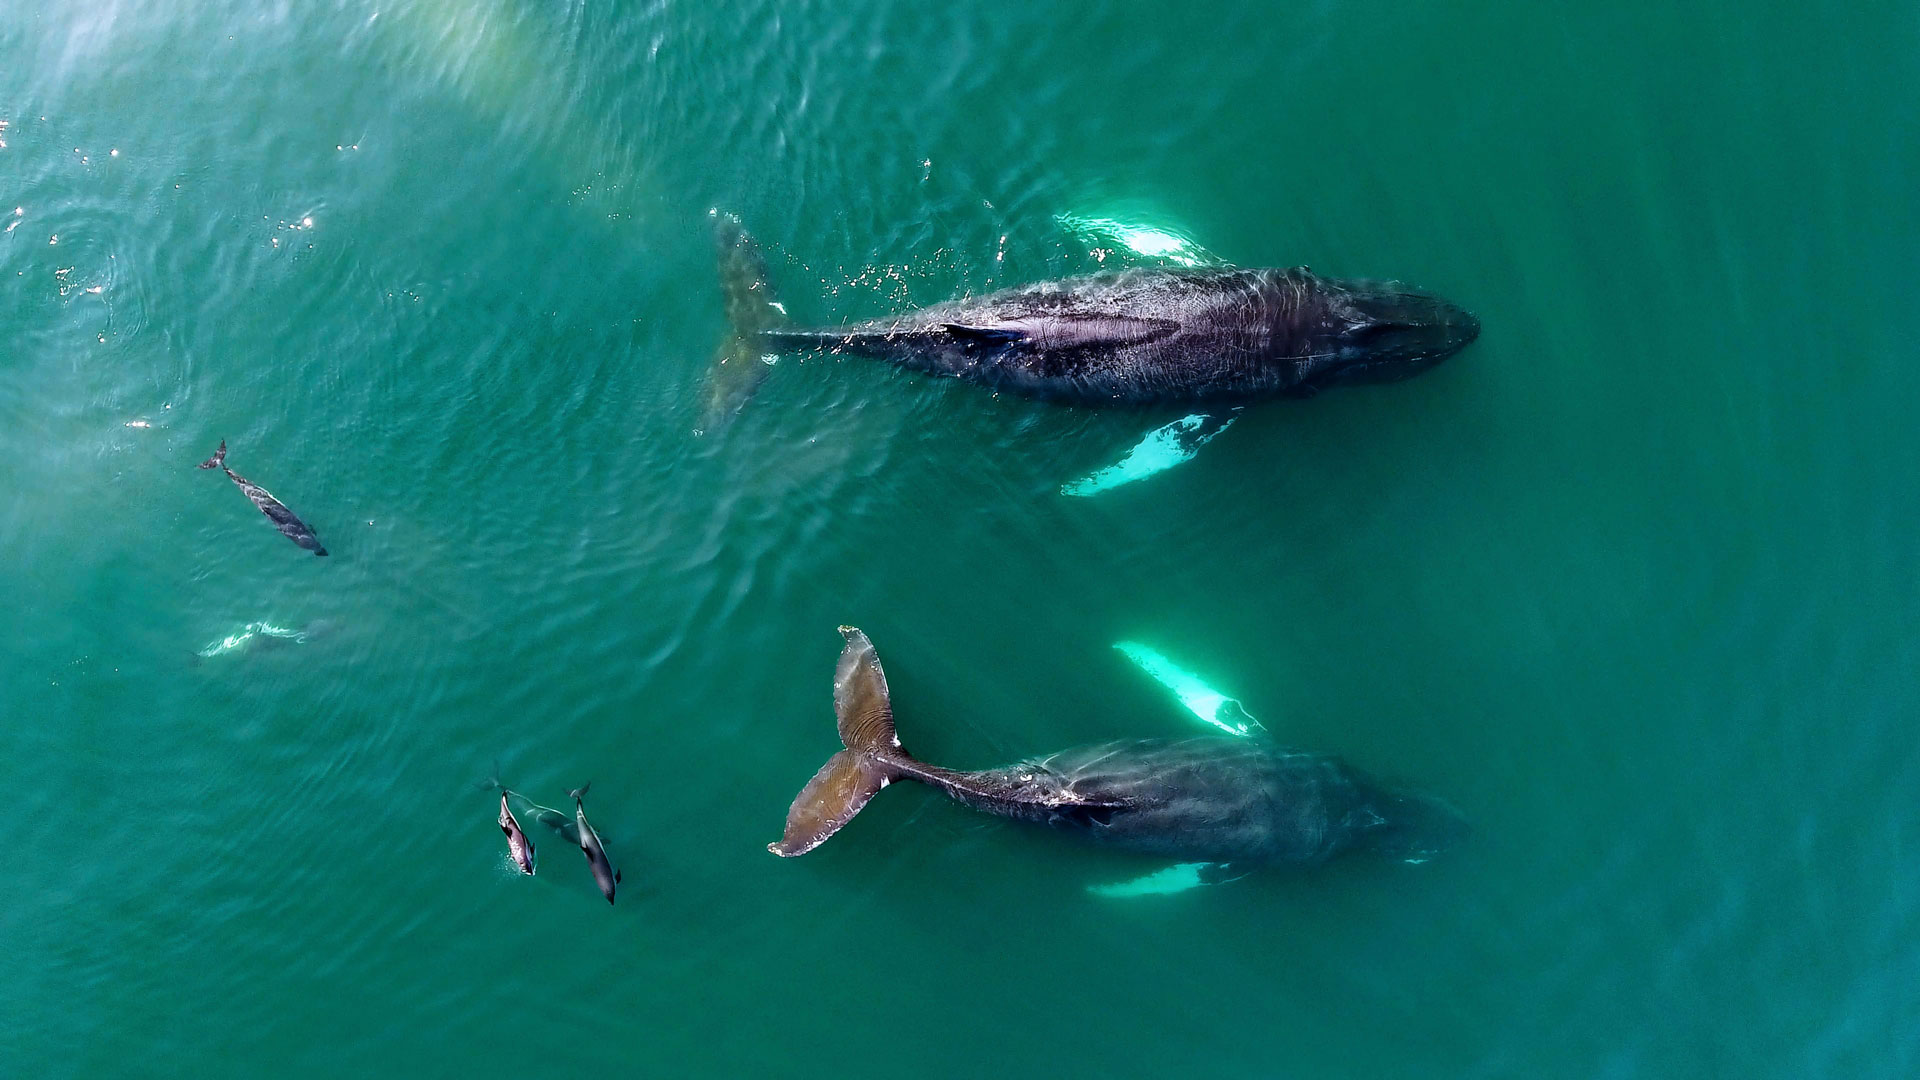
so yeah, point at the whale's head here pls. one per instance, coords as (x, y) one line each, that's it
(1383, 331)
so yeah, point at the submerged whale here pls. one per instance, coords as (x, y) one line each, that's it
(1137, 337)
(288, 523)
(1221, 799)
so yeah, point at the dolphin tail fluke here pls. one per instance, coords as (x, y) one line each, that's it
(218, 459)
(870, 761)
(579, 793)
(740, 364)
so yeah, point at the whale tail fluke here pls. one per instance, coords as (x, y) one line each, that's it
(218, 459)
(741, 363)
(870, 761)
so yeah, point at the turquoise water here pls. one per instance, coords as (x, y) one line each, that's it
(1630, 581)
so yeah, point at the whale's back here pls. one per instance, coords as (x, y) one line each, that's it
(1240, 799)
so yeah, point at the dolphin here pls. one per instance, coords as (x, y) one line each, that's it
(545, 815)
(1227, 801)
(289, 524)
(1212, 335)
(604, 875)
(518, 843)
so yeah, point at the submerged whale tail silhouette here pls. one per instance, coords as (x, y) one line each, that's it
(218, 459)
(871, 760)
(741, 363)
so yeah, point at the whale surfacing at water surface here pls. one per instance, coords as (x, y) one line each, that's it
(284, 519)
(1223, 799)
(1137, 337)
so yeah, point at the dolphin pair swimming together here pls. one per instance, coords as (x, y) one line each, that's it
(520, 846)
(1137, 337)
(1221, 800)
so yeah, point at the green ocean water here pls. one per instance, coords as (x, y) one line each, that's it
(1631, 581)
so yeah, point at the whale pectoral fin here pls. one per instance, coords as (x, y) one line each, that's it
(616, 877)
(1164, 882)
(1173, 879)
(983, 335)
(1220, 873)
(1159, 450)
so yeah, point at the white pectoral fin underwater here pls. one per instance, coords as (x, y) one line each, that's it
(1202, 700)
(1178, 878)
(1156, 452)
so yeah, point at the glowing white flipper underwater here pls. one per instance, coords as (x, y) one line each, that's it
(1177, 878)
(1212, 707)
(1203, 701)
(1161, 449)
(1164, 447)
(1139, 238)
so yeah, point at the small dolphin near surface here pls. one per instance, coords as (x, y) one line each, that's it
(290, 525)
(604, 875)
(1219, 799)
(545, 815)
(1137, 337)
(518, 844)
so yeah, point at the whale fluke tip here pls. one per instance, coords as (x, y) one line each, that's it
(836, 793)
(871, 760)
(218, 459)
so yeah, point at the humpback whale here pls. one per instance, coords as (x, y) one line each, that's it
(604, 875)
(1224, 800)
(289, 525)
(1214, 335)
